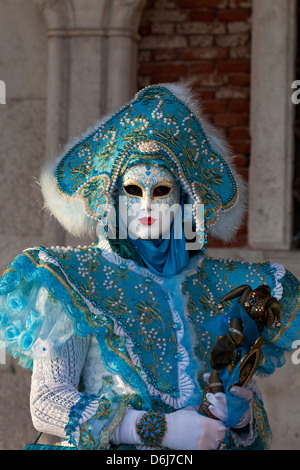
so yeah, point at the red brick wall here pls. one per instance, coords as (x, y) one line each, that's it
(208, 42)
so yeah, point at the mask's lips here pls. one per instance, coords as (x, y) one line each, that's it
(147, 220)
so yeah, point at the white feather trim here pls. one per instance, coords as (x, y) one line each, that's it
(70, 211)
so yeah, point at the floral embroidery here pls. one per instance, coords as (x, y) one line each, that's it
(104, 409)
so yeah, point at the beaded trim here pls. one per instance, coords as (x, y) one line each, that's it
(76, 413)
(234, 330)
(152, 428)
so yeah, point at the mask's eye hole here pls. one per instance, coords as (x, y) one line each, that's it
(161, 191)
(133, 190)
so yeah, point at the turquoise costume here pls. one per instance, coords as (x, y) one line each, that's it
(149, 329)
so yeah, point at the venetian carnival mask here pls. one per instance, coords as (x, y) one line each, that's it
(162, 123)
(148, 201)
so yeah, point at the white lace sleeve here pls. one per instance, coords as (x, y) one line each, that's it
(54, 390)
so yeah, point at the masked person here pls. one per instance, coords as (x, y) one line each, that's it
(115, 332)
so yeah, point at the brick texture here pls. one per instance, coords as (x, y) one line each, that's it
(207, 42)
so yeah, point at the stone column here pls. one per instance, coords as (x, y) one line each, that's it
(271, 166)
(122, 51)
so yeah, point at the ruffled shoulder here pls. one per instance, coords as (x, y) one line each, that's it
(38, 310)
(278, 341)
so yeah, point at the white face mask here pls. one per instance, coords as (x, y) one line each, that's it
(148, 201)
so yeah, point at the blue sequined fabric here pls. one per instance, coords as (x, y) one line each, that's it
(150, 331)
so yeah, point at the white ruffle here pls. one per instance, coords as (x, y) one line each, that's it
(279, 274)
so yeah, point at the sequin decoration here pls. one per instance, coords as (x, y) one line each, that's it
(152, 428)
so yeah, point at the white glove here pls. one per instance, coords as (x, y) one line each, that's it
(126, 433)
(186, 430)
(219, 407)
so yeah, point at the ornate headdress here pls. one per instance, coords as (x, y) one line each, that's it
(163, 123)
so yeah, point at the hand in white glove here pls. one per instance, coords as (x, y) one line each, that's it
(219, 406)
(126, 432)
(186, 430)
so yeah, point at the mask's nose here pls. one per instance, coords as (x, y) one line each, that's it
(146, 202)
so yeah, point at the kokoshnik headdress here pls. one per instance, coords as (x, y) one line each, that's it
(162, 123)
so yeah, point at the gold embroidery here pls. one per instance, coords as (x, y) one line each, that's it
(8, 270)
(116, 351)
(262, 423)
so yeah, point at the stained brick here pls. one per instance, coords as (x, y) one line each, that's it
(144, 56)
(239, 106)
(163, 28)
(231, 119)
(240, 147)
(164, 55)
(200, 27)
(201, 68)
(214, 107)
(239, 133)
(205, 94)
(234, 15)
(144, 81)
(239, 27)
(203, 3)
(203, 53)
(203, 40)
(234, 66)
(177, 69)
(240, 3)
(232, 40)
(241, 52)
(233, 93)
(203, 15)
(212, 80)
(241, 161)
(144, 29)
(163, 16)
(165, 4)
(163, 42)
(240, 80)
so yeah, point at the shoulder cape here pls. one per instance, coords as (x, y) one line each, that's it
(47, 295)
